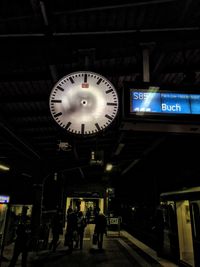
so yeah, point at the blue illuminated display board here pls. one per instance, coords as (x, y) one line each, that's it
(145, 101)
(4, 199)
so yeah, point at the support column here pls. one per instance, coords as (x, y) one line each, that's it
(146, 73)
(36, 213)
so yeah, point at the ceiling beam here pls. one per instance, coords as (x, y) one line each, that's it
(16, 142)
(102, 8)
(148, 34)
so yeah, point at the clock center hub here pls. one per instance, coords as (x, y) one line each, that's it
(84, 102)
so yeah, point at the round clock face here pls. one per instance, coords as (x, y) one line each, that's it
(84, 103)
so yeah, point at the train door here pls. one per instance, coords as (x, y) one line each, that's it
(4, 200)
(3, 211)
(171, 246)
(185, 232)
(195, 220)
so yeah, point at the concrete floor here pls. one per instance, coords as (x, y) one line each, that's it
(119, 250)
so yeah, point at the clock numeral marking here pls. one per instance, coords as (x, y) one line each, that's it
(56, 101)
(85, 78)
(68, 124)
(58, 114)
(109, 91)
(108, 117)
(97, 126)
(111, 104)
(99, 81)
(60, 88)
(71, 80)
(82, 128)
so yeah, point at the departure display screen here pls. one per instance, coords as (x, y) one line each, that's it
(4, 199)
(158, 102)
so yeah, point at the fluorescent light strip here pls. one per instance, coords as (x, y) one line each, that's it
(4, 168)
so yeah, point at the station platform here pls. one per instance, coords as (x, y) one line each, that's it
(120, 249)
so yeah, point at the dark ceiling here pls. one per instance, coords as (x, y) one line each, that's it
(42, 41)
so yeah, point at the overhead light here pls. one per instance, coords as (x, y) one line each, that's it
(4, 167)
(55, 176)
(92, 155)
(109, 167)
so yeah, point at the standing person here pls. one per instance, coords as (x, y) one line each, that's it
(96, 212)
(159, 231)
(100, 228)
(44, 235)
(71, 228)
(88, 215)
(21, 245)
(81, 224)
(56, 231)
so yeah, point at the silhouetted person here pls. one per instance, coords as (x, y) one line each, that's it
(88, 215)
(81, 224)
(159, 231)
(100, 228)
(21, 245)
(44, 235)
(71, 228)
(96, 212)
(56, 231)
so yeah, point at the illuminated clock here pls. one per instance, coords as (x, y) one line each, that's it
(84, 103)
